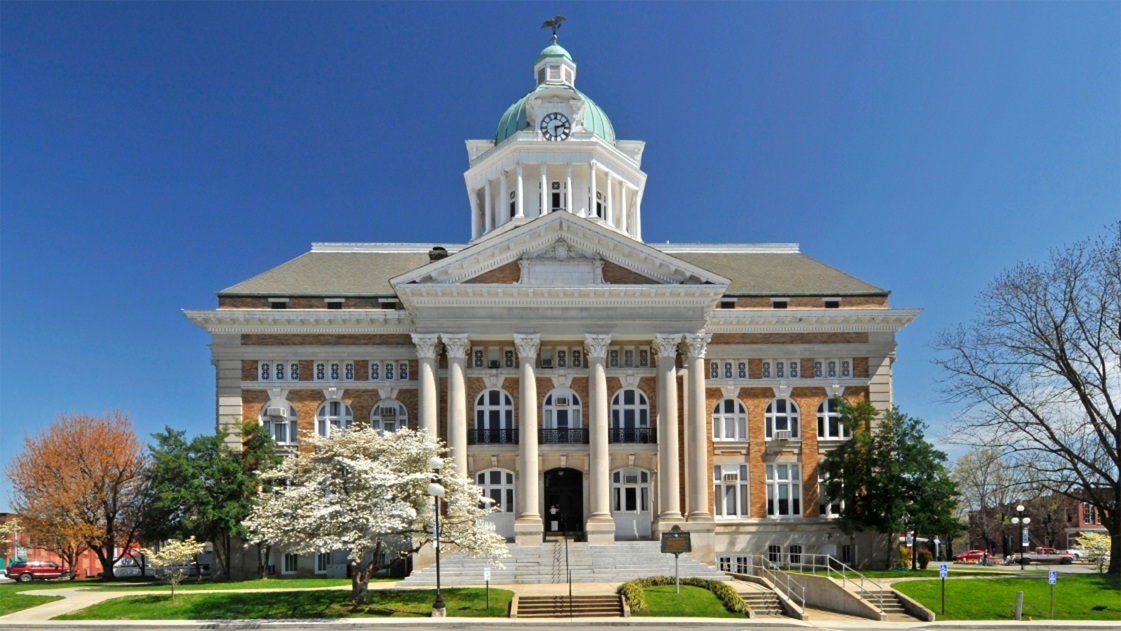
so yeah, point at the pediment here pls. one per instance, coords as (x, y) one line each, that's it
(559, 250)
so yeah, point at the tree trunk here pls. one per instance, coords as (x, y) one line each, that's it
(1113, 527)
(360, 582)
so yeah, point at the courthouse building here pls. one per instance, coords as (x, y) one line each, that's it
(590, 382)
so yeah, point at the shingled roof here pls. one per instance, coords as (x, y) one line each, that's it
(353, 272)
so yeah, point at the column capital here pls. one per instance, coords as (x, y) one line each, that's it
(698, 344)
(455, 345)
(527, 344)
(426, 345)
(666, 345)
(597, 345)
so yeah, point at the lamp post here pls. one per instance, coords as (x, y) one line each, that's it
(1023, 530)
(436, 490)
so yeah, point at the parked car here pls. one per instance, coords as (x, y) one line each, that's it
(27, 571)
(972, 556)
(1042, 555)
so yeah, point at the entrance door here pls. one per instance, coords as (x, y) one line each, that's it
(630, 504)
(564, 501)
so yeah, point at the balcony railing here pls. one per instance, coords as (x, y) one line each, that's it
(563, 436)
(640, 435)
(492, 436)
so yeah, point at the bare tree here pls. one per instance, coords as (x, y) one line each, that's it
(987, 483)
(1039, 372)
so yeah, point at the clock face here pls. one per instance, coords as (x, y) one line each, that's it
(555, 126)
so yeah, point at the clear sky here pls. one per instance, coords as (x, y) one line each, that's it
(152, 154)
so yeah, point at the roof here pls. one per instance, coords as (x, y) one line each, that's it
(366, 269)
(553, 50)
(515, 118)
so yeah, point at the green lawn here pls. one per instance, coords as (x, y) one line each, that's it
(11, 600)
(295, 605)
(1077, 597)
(930, 572)
(269, 583)
(692, 602)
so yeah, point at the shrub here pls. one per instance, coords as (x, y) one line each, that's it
(925, 557)
(636, 596)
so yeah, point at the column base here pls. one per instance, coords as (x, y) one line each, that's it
(439, 613)
(529, 531)
(600, 530)
(664, 524)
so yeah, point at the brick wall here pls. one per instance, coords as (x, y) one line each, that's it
(619, 275)
(507, 274)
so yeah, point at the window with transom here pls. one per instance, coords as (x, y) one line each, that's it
(389, 416)
(827, 507)
(494, 410)
(784, 490)
(333, 416)
(729, 420)
(498, 485)
(279, 420)
(562, 410)
(729, 493)
(630, 491)
(781, 420)
(829, 425)
(629, 410)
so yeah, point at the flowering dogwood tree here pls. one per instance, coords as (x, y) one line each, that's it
(174, 559)
(367, 493)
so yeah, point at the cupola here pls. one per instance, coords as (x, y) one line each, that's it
(555, 65)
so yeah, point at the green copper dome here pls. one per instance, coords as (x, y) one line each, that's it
(554, 50)
(515, 119)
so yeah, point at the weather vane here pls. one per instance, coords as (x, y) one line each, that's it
(555, 23)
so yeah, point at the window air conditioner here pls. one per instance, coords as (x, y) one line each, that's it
(732, 477)
(546, 363)
(494, 363)
(388, 413)
(277, 412)
(782, 434)
(562, 402)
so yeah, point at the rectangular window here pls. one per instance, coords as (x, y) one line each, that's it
(375, 371)
(730, 491)
(774, 553)
(727, 370)
(727, 304)
(778, 304)
(832, 304)
(817, 369)
(291, 564)
(826, 506)
(643, 358)
(846, 368)
(795, 551)
(562, 358)
(577, 358)
(334, 305)
(479, 358)
(335, 371)
(264, 371)
(831, 368)
(766, 370)
(403, 371)
(508, 358)
(322, 560)
(278, 305)
(348, 369)
(779, 372)
(294, 371)
(613, 358)
(741, 370)
(793, 370)
(784, 490)
(714, 370)
(389, 371)
(846, 554)
(628, 358)
(321, 371)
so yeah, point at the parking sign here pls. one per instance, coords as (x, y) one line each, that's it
(486, 574)
(943, 570)
(1052, 577)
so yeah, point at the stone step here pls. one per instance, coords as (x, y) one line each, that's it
(561, 607)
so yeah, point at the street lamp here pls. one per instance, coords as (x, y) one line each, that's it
(1023, 530)
(436, 490)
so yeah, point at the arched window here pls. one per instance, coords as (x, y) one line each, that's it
(335, 415)
(630, 417)
(829, 423)
(494, 418)
(389, 416)
(782, 420)
(279, 419)
(729, 420)
(562, 418)
(498, 485)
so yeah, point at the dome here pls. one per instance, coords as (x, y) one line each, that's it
(515, 119)
(553, 50)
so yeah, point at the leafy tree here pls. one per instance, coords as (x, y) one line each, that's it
(1039, 370)
(890, 478)
(82, 482)
(368, 493)
(173, 558)
(988, 483)
(202, 488)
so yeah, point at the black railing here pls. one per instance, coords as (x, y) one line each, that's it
(492, 436)
(563, 436)
(640, 435)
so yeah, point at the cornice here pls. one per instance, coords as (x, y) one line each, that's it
(809, 320)
(550, 297)
(302, 320)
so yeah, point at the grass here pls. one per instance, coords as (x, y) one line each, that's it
(268, 583)
(930, 572)
(11, 600)
(465, 602)
(1080, 597)
(692, 602)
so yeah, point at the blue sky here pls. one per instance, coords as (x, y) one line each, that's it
(154, 153)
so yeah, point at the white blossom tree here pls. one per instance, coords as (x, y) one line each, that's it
(367, 493)
(174, 559)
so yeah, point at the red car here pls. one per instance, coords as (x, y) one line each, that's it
(973, 556)
(27, 571)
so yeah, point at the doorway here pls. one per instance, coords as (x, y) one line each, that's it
(564, 501)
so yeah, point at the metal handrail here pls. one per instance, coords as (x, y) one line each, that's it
(829, 564)
(768, 567)
(639, 435)
(476, 436)
(564, 436)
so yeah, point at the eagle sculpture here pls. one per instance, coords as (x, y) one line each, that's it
(555, 23)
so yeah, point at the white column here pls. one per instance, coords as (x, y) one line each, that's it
(592, 190)
(528, 527)
(426, 353)
(697, 458)
(456, 347)
(503, 212)
(544, 191)
(488, 217)
(520, 199)
(609, 212)
(568, 185)
(638, 215)
(624, 189)
(600, 527)
(669, 479)
(683, 375)
(473, 194)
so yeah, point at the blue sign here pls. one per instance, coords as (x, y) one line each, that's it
(1052, 577)
(1024, 536)
(943, 570)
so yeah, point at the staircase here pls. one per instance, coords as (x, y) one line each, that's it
(892, 606)
(614, 563)
(558, 607)
(763, 602)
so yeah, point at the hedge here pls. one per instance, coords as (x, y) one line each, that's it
(636, 596)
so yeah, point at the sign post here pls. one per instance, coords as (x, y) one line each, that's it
(1052, 577)
(675, 542)
(486, 577)
(943, 571)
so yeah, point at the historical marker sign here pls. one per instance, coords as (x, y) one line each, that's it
(676, 541)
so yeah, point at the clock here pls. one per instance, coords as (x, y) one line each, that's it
(555, 126)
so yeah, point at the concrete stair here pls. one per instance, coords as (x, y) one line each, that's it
(615, 563)
(892, 606)
(559, 607)
(763, 602)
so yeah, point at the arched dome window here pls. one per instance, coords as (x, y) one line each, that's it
(782, 420)
(562, 418)
(729, 420)
(333, 416)
(279, 419)
(389, 416)
(630, 417)
(829, 425)
(494, 418)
